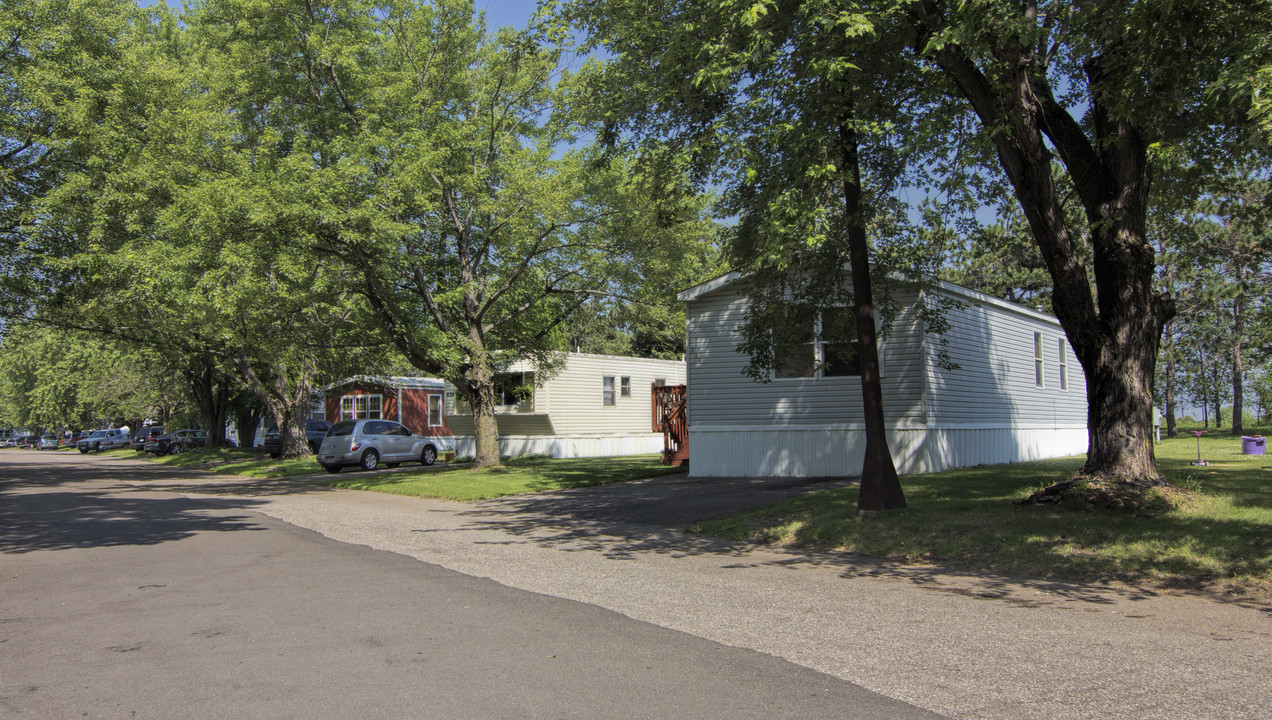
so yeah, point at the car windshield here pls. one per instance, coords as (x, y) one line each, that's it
(98, 433)
(345, 427)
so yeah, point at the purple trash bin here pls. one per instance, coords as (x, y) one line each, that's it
(1253, 445)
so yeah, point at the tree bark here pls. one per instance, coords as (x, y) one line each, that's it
(1116, 334)
(880, 486)
(286, 398)
(209, 389)
(479, 389)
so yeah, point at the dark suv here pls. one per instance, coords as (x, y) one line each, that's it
(144, 436)
(177, 442)
(315, 431)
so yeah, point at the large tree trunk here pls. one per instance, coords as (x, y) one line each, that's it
(880, 486)
(286, 397)
(247, 421)
(1116, 334)
(211, 397)
(479, 388)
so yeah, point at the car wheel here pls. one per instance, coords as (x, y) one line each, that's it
(275, 455)
(332, 468)
(313, 447)
(370, 460)
(429, 456)
(83, 451)
(174, 449)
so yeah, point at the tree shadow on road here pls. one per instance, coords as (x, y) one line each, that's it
(622, 522)
(87, 519)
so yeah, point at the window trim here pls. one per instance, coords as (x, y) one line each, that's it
(1064, 366)
(434, 398)
(819, 345)
(1040, 379)
(625, 386)
(365, 399)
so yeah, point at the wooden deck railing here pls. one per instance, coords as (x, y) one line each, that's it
(669, 417)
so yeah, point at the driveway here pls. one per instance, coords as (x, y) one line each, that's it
(121, 599)
(963, 645)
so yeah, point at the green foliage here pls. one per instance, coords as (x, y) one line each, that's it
(58, 379)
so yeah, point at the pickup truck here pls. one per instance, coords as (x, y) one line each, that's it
(100, 440)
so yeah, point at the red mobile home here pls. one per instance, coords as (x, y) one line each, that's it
(416, 402)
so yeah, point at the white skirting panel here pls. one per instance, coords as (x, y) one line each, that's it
(833, 452)
(562, 446)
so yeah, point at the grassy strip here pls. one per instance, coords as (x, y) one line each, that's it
(228, 461)
(516, 476)
(1213, 533)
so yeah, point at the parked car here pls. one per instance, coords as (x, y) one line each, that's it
(100, 440)
(88, 443)
(315, 431)
(368, 443)
(145, 435)
(47, 442)
(29, 441)
(175, 443)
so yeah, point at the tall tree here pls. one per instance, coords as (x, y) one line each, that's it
(773, 104)
(1146, 75)
(442, 164)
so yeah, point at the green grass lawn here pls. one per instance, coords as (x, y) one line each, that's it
(1214, 536)
(229, 461)
(515, 476)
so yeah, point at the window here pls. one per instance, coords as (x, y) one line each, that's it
(607, 390)
(826, 349)
(660, 382)
(1064, 368)
(359, 407)
(625, 387)
(838, 335)
(1038, 359)
(434, 410)
(513, 388)
(794, 349)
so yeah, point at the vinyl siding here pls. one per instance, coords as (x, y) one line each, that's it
(720, 394)
(994, 383)
(573, 398)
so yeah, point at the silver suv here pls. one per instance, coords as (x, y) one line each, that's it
(370, 443)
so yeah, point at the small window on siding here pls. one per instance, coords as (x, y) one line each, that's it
(660, 382)
(1038, 381)
(607, 390)
(434, 410)
(625, 387)
(1064, 368)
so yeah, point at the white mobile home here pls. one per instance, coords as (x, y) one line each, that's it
(594, 406)
(1018, 392)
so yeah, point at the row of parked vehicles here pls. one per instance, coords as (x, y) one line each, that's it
(366, 443)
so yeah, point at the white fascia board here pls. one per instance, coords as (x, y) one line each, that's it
(983, 299)
(701, 289)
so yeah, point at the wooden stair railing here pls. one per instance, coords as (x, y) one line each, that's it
(669, 416)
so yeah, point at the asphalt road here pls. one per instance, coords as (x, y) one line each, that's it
(133, 591)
